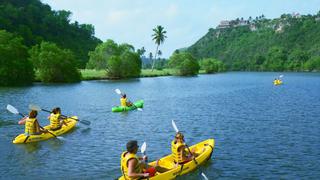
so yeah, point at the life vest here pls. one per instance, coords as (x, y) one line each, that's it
(54, 121)
(125, 157)
(177, 156)
(30, 127)
(123, 102)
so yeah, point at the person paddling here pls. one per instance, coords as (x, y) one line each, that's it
(131, 167)
(56, 121)
(179, 152)
(124, 102)
(32, 126)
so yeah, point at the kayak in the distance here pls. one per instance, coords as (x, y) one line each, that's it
(277, 82)
(135, 105)
(23, 138)
(166, 168)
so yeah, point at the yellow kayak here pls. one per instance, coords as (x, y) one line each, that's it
(22, 138)
(276, 83)
(167, 169)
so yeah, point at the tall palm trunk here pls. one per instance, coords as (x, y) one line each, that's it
(155, 58)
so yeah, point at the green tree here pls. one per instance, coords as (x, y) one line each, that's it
(211, 65)
(184, 63)
(313, 64)
(99, 57)
(141, 51)
(36, 22)
(54, 64)
(276, 59)
(297, 58)
(120, 61)
(15, 68)
(158, 37)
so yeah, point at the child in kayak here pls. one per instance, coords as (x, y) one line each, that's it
(32, 126)
(56, 121)
(124, 102)
(131, 166)
(178, 148)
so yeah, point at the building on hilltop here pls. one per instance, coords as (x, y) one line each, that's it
(253, 27)
(295, 15)
(224, 24)
(279, 29)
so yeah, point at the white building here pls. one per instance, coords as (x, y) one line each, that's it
(224, 24)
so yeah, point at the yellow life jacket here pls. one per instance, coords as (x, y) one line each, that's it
(123, 102)
(30, 128)
(54, 121)
(177, 156)
(125, 157)
(275, 81)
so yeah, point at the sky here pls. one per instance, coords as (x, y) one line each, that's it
(186, 21)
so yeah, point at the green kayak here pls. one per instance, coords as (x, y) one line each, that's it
(137, 104)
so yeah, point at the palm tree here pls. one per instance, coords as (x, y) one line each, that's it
(158, 37)
(150, 56)
(159, 53)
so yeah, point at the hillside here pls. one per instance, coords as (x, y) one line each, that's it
(285, 43)
(36, 22)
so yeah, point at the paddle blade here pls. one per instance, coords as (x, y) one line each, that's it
(139, 109)
(60, 138)
(118, 91)
(34, 107)
(281, 76)
(12, 109)
(174, 126)
(204, 176)
(143, 147)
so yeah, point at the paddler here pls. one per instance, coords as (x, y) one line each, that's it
(275, 81)
(124, 102)
(32, 126)
(56, 120)
(131, 165)
(179, 152)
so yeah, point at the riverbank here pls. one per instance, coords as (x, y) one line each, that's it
(90, 74)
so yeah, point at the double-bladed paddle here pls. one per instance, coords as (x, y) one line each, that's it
(194, 158)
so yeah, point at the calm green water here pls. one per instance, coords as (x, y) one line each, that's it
(261, 131)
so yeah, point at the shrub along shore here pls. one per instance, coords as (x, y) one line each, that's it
(90, 74)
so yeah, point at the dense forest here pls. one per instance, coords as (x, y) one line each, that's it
(36, 22)
(288, 43)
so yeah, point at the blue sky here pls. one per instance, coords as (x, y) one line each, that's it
(186, 21)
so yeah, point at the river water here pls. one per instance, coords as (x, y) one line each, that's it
(261, 131)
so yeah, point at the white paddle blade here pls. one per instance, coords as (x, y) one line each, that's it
(60, 138)
(204, 176)
(34, 107)
(118, 91)
(143, 147)
(174, 126)
(281, 76)
(139, 109)
(12, 109)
